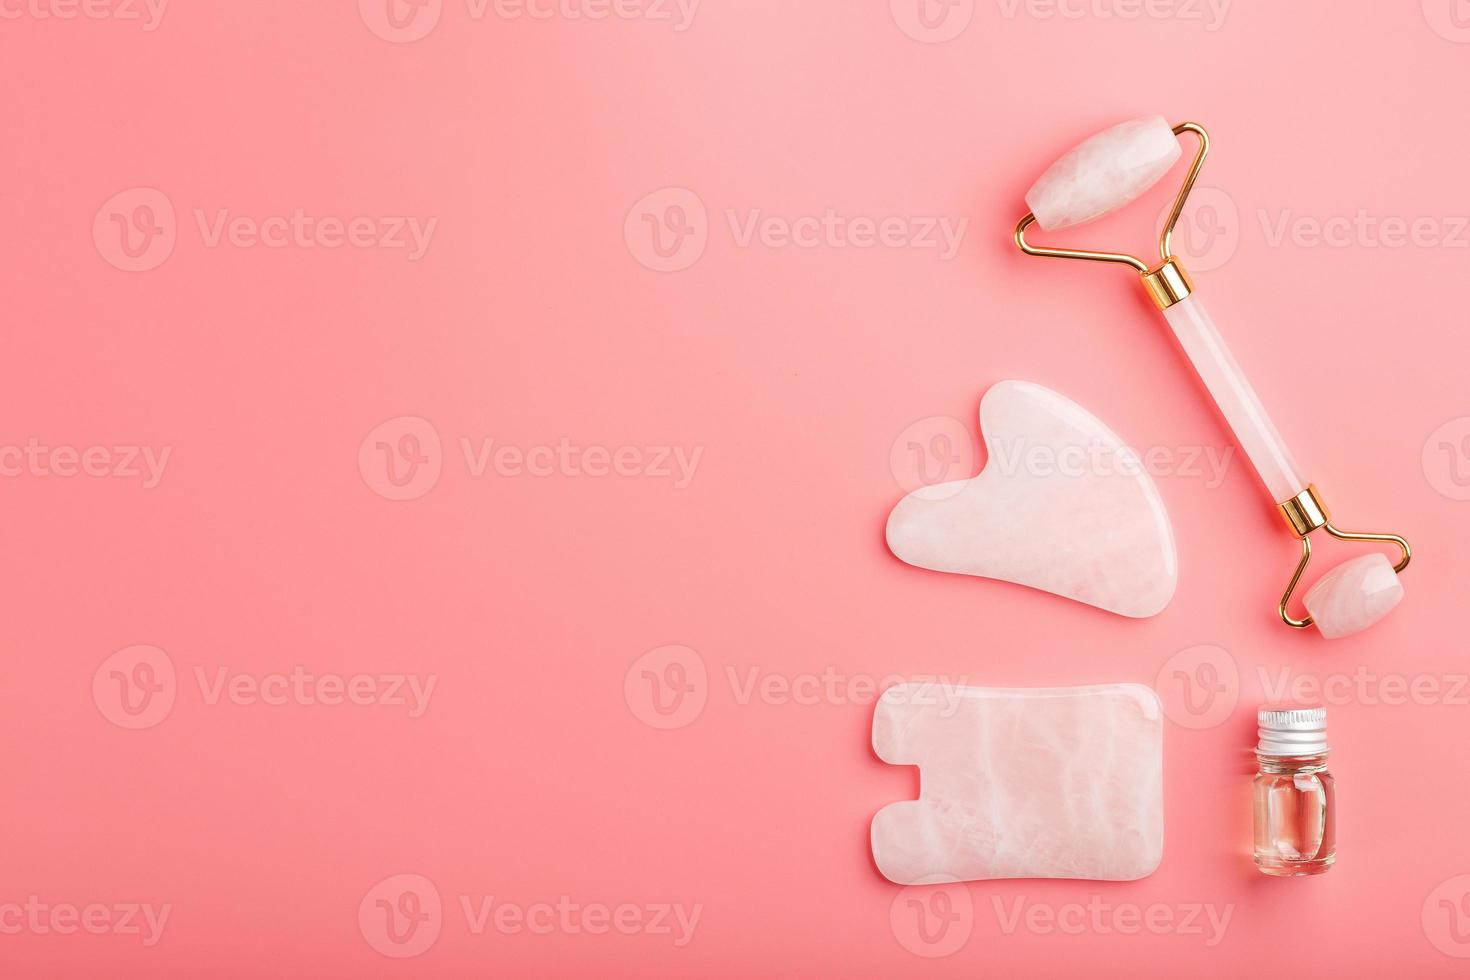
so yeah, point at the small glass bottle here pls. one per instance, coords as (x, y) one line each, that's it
(1296, 809)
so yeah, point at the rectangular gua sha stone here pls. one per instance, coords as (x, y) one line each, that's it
(1021, 783)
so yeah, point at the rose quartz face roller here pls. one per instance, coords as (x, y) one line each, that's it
(1108, 171)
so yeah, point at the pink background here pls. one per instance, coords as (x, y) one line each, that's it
(537, 772)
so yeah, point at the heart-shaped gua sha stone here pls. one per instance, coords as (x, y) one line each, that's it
(1062, 506)
(1060, 782)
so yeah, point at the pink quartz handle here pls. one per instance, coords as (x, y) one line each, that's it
(1253, 428)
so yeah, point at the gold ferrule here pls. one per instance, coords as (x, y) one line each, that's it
(1305, 512)
(1167, 283)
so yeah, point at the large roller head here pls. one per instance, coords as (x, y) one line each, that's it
(1104, 173)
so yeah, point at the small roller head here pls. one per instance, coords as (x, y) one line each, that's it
(1104, 173)
(1354, 595)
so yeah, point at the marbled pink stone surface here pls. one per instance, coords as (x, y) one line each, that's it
(1354, 595)
(1039, 783)
(1103, 173)
(1236, 398)
(1062, 505)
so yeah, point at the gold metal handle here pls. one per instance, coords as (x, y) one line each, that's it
(1307, 513)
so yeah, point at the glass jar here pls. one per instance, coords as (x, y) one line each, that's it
(1296, 810)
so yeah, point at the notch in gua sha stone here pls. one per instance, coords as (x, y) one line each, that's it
(1062, 505)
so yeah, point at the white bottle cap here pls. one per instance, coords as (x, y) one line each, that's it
(1292, 731)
